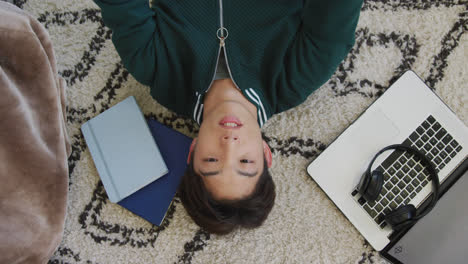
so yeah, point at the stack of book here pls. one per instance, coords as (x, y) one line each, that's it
(140, 162)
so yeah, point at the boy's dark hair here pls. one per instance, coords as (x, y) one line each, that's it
(222, 216)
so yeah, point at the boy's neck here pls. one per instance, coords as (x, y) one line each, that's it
(225, 90)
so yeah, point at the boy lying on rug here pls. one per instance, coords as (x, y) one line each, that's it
(230, 65)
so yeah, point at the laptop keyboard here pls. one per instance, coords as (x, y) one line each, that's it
(404, 174)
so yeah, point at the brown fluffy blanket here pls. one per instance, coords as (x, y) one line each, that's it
(33, 141)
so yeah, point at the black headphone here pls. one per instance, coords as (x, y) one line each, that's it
(371, 184)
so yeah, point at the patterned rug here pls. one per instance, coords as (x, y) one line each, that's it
(429, 37)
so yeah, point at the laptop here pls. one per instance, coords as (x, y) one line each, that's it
(408, 113)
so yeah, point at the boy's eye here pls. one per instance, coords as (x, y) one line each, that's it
(245, 161)
(211, 160)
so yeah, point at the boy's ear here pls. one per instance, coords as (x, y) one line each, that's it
(267, 154)
(192, 147)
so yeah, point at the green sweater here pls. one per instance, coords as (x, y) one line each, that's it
(277, 51)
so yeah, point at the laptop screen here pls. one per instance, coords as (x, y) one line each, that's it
(441, 236)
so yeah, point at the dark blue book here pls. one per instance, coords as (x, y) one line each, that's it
(152, 201)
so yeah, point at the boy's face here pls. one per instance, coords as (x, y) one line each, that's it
(229, 151)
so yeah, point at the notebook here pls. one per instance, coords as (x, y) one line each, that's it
(408, 113)
(123, 149)
(152, 202)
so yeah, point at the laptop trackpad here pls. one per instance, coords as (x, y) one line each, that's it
(372, 132)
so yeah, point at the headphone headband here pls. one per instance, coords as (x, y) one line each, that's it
(427, 163)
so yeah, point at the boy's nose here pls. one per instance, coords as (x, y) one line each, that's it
(230, 138)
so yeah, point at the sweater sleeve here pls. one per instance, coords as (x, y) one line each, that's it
(323, 41)
(133, 34)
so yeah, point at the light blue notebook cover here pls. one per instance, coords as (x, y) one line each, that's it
(123, 149)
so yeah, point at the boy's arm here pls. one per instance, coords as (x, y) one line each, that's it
(322, 42)
(133, 34)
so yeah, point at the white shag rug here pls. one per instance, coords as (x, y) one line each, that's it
(429, 37)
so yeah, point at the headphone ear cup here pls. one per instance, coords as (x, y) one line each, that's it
(363, 183)
(401, 217)
(371, 186)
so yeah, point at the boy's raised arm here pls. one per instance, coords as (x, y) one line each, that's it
(323, 41)
(133, 34)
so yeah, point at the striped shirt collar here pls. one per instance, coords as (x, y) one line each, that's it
(261, 113)
(198, 110)
(249, 92)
